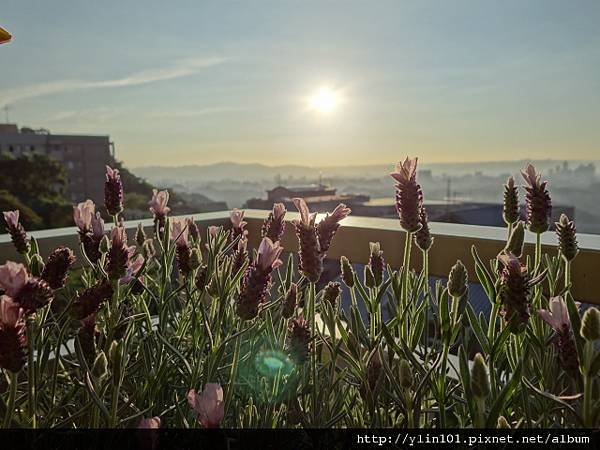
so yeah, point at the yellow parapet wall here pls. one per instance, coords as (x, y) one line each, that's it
(5, 36)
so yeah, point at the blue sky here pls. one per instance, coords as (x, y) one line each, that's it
(194, 82)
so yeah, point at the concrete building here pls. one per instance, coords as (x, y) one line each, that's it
(84, 157)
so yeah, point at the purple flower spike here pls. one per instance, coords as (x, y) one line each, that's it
(113, 191)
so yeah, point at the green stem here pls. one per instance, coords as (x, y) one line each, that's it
(233, 373)
(443, 376)
(31, 394)
(12, 395)
(313, 354)
(588, 420)
(567, 273)
(480, 423)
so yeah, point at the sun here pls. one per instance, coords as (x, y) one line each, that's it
(324, 100)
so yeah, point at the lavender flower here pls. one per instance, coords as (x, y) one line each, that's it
(202, 277)
(238, 223)
(151, 423)
(180, 233)
(193, 230)
(537, 200)
(113, 191)
(514, 293)
(208, 405)
(88, 302)
(327, 227)
(289, 302)
(91, 229)
(57, 267)
(88, 335)
(510, 208)
(567, 238)
(159, 208)
(409, 197)
(376, 262)
(299, 340)
(13, 340)
(311, 259)
(274, 225)
(82, 215)
(257, 279)
(16, 231)
(118, 254)
(30, 293)
(13, 276)
(557, 316)
(240, 256)
(423, 237)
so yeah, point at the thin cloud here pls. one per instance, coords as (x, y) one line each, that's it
(180, 114)
(178, 69)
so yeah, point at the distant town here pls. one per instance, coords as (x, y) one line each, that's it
(460, 193)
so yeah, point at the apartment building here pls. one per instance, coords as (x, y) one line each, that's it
(83, 156)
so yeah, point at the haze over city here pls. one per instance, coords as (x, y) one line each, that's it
(312, 83)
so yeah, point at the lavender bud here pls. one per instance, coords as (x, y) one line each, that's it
(458, 280)
(502, 423)
(195, 258)
(590, 325)
(347, 271)
(100, 366)
(510, 208)
(480, 380)
(516, 240)
(332, 292)
(406, 375)
(376, 262)
(423, 237)
(104, 245)
(36, 265)
(140, 235)
(567, 239)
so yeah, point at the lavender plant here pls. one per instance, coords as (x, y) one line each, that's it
(192, 327)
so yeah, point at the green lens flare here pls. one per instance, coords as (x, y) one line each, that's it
(271, 363)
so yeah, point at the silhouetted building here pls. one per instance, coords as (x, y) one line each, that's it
(470, 213)
(83, 156)
(319, 197)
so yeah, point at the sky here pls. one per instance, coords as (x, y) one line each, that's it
(198, 82)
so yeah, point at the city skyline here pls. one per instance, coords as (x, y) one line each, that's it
(325, 83)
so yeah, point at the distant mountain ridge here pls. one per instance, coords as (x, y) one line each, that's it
(257, 172)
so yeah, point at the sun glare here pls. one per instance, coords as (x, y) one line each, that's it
(325, 100)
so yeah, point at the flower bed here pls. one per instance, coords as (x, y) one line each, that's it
(189, 328)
